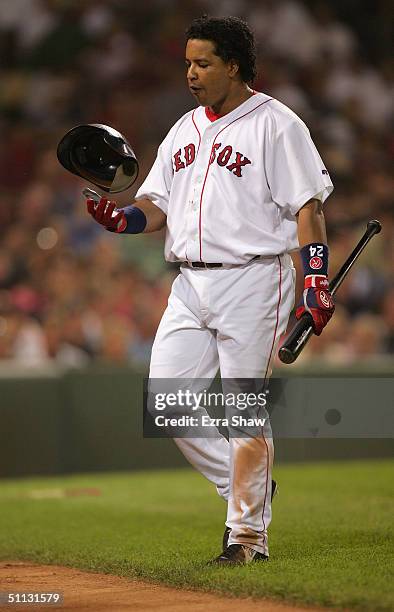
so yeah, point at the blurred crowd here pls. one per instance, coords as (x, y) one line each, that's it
(74, 293)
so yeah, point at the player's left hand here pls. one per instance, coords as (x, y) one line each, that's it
(318, 302)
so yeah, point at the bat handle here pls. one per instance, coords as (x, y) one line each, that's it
(297, 339)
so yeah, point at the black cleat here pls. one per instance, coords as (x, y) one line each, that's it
(274, 490)
(238, 554)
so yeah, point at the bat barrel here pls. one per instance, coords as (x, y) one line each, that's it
(373, 227)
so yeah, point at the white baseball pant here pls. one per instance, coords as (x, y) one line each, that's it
(229, 318)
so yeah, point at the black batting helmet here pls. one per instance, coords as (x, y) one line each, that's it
(99, 154)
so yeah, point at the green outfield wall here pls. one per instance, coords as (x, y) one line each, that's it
(63, 421)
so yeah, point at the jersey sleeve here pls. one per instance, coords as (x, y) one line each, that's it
(157, 185)
(295, 170)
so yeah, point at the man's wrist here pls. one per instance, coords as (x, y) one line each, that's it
(314, 257)
(134, 220)
(316, 280)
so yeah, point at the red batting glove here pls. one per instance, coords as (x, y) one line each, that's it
(317, 301)
(106, 213)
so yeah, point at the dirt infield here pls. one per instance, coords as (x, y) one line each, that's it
(104, 593)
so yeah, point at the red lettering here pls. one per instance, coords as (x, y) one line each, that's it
(240, 161)
(224, 156)
(178, 162)
(190, 154)
(215, 147)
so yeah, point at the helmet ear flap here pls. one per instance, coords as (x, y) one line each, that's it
(99, 154)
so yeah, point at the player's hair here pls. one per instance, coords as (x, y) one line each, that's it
(233, 40)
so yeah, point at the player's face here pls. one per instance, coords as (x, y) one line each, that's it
(208, 76)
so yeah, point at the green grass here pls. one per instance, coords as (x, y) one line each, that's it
(330, 539)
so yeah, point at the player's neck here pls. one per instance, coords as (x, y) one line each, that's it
(235, 98)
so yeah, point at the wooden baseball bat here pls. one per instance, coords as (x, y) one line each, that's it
(303, 329)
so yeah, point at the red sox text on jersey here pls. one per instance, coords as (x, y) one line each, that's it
(221, 154)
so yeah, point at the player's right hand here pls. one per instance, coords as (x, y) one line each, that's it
(106, 213)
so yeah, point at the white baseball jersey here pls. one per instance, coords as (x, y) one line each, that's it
(231, 187)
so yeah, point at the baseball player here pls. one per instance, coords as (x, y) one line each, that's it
(239, 185)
